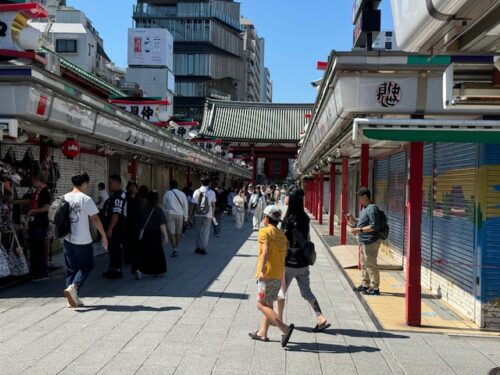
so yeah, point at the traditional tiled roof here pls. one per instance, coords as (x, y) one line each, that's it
(247, 122)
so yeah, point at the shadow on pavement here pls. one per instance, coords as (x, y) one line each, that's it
(312, 347)
(124, 308)
(355, 333)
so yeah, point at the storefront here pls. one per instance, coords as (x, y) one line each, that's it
(377, 118)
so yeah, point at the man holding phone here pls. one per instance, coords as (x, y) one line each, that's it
(367, 227)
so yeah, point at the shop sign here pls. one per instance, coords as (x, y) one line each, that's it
(148, 110)
(70, 148)
(389, 94)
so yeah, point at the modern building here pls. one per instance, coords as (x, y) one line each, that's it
(267, 95)
(208, 49)
(71, 34)
(253, 47)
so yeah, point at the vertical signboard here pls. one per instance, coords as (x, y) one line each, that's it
(150, 47)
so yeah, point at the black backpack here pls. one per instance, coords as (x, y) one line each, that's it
(59, 212)
(383, 230)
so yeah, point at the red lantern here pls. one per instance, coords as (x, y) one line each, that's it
(276, 169)
(70, 148)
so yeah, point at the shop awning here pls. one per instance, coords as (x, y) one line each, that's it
(426, 130)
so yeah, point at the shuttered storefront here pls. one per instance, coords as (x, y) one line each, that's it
(490, 226)
(381, 183)
(396, 202)
(427, 199)
(453, 229)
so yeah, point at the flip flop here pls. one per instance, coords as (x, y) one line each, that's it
(286, 337)
(255, 336)
(321, 327)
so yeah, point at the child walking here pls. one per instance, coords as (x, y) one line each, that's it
(269, 273)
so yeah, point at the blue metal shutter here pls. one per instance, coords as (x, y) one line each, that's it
(453, 232)
(490, 278)
(381, 168)
(427, 199)
(396, 202)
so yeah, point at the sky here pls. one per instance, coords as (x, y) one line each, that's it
(297, 34)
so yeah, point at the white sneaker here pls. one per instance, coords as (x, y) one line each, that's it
(71, 295)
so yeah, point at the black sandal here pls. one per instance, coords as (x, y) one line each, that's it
(321, 327)
(286, 337)
(255, 336)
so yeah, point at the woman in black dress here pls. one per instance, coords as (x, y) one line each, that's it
(131, 244)
(153, 224)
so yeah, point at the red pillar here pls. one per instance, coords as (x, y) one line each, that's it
(331, 204)
(315, 194)
(365, 163)
(321, 193)
(254, 166)
(343, 203)
(413, 252)
(308, 194)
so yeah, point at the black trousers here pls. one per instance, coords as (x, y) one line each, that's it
(115, 250)
(36, 242)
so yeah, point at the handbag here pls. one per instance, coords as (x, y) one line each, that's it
(18, 265)
(4, 263)
(307, 246)
(141, 233)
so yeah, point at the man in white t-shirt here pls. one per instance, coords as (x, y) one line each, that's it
(204, 219)
(78, 248)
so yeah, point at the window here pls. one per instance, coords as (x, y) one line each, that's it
(66, 45)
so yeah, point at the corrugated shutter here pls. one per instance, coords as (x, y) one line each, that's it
(428, 193)
(491, 227)
(381, 183)
(453, 232)
(144, 171)
(396, 202)
(352, 188)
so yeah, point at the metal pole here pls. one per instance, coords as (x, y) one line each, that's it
(331, 204)
(343, 204)
(413, 253)
(365, 163)
(321, 188)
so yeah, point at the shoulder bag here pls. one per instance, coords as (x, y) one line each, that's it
(141, 233)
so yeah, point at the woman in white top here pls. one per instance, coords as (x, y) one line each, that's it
(257, 204)
(239, 204)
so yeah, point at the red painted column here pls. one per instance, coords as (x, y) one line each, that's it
(331, 204)
(414, 250)
(315, 192)
(343, 203)
(365, 163)
(254, 166)
(321, 193)
(308, 192)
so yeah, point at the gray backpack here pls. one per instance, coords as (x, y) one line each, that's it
(202, 206)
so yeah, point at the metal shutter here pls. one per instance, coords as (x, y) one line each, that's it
(396, 202)
(427, 199)
(453, 232)
(381, 180)
(491, 227)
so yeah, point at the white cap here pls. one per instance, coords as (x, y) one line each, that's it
(273, 212)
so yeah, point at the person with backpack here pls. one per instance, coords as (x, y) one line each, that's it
(368, 229)
(204, 198)
(78, 248)
(114, 223)
(297, 231)
(176, 209)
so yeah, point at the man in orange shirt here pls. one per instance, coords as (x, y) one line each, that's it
(269, 273)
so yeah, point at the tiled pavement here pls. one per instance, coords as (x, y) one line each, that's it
(196, 319)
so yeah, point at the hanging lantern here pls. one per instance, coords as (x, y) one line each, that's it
(70, 148)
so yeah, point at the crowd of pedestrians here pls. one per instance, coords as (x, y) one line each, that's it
(135, 226)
